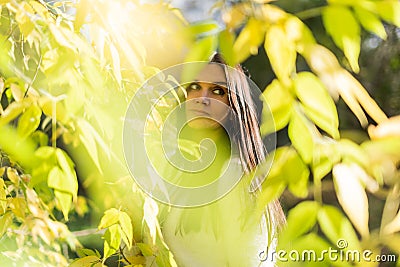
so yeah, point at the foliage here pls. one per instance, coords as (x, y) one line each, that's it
(66, 81)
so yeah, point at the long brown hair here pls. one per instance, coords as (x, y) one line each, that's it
(251, 147)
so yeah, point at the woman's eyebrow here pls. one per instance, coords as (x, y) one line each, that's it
(217, 82)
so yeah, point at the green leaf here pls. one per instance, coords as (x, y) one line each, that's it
(324, 158)
(145, 249)
(12, 111)
(281, 52)
(87, 135)
(300, 220)
(3, 200)
(112, 240)
(345, 31)
(301, 135)
(370, 21)
(351, 152)
(88, 261)
(23, 15)
(277, 107)
(126, 226)
(60, 181)
(389, 11)
(289, 168)
(82, 10)
(335, 226)
(29, 121)
(202, 50)
(249, 39)
(67, 166)
(318, 104)
(226, 41)
(208, 27)
(352, 197)
(65, 201)
(5, 223)
(111, 217)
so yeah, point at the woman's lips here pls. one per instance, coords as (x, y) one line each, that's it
(199, 112)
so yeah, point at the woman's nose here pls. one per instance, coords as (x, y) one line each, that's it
(204, 97)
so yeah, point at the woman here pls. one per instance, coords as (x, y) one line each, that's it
(225, 232)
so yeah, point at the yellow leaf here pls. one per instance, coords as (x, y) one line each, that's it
(301, 135)
(357, 95)
(277, 107)
(345, 31)
(150, 217)
(12, 174)
(88, 261)
(234, 17)
(318, 104)
(370, 22)
(352, 197)
(389, 128)
(249, 39)
(389, 10)
(3, 196)
(298, 33)
(281, 53)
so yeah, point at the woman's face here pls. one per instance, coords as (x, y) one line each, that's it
(207, 98)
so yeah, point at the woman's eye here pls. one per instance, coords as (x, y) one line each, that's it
(218, 91)
(193, 86)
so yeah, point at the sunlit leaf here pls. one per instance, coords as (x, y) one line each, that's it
(3, 201)
(12, 175)
(111, 217)
(145, 249)
(298, 33)
(12, 111)
(59, 180)
(112, 240)
(337, 227)
(18, 207)
(202, 50)
(351, 152)
(203, 28)
(66, 165)
(318, 104)
(345, 31)
(278, 101)
(234, 17)
(88, 261)
(300, 133)
(324, 158)
(300, 220)
(352, 197)
(126, 226)
(29, 121)
(281, 52)
(88, 139)
(150, 217)
(5, 223)
(23, 17)
(226, 40)
(385, 129)
(82, 11)
(389, 11)
(290, 169)
(65, 201)
(370, 22)
(249, 39)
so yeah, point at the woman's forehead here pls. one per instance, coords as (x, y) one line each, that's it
(212, 73)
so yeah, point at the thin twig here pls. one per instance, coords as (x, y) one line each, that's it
(34, 76)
